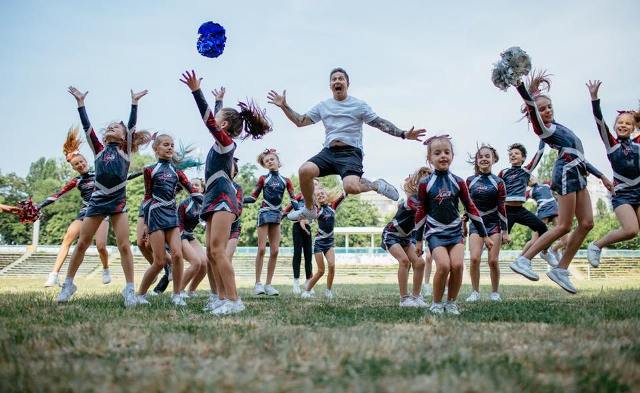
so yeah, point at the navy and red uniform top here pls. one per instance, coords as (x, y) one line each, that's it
(84, 183)
(189, 214)
(327, 218)
(220, 195)
(299, 200)
(488, 193)
(516, 178)
(438, 197)
(404, 222)
(547, 204)
(111, 167)
(623, 154)
(161, 180)
(272, 186)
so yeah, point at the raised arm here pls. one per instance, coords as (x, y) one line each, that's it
(219, 96)
(536, 158)
(388, 127)
(607, 138)
(255, 193)
(281, 101)
(70, 185)
(534, 115)
(93, 140)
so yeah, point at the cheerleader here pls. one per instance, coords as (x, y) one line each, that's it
(220, 207)
(323, 246)
(437, 208)
(108, 199)
(546, 211)
(84, 182)
(623, 153)
(273, 187)
(569, 181)
(488, 193)
(398, 239)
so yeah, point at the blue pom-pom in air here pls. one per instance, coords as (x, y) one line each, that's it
(211, 40)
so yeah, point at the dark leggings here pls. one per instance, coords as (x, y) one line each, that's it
(302, 242)
(522, 216)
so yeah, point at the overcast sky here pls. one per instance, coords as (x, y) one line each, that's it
(415, 63)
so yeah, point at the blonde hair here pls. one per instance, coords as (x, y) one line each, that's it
(429, 142)
(411, 184)
(265, 153)
(71, 146)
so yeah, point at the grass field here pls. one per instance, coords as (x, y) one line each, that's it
(538, 340)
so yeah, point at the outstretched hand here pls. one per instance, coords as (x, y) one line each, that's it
(414, 134)
(218, 94)
(78, 95)
(593, 87)
(135, 97)
(190, 79)
(277, 99)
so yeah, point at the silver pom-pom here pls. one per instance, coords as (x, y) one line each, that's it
(514, 64)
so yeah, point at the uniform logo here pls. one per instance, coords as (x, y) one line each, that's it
(442, 195)
(108, 156)
(164, 176)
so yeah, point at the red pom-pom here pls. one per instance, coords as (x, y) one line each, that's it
(28, 212)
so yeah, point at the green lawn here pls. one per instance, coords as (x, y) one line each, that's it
(539, 339)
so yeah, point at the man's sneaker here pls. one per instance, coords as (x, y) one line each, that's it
(297, 215)
(296, 287)
(52, 280)
(328, 294)
(407, 301)
(495, 297)
(474, 297)
(258, 289)
(427, 290)
(561, 277)
(142, 300)
(550, 258)
(222, 309)
(451, 308)
(437, 308)
(270, 291)
(385, 188)
(306, 295)
(130, 297)
(234, 307)
(523, 266)
(178, 300)
(106, 276)
(65, 294)
(419, 301)
(593, 254)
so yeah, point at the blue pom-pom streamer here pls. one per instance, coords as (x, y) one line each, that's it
(211, 40)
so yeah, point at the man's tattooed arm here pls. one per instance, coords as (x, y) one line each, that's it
(387, 126)
(297, 119)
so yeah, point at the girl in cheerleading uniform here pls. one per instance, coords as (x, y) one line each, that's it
(220, 207)
(323, 245)
(273, 187)
(84, 182)
(437, 208)
(108, 199)
(192, 250)
(568, 180)
(623, 152)
(398, 239)
(160, 182)
(488, 193)
(546, 211)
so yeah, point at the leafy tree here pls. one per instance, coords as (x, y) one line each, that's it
(545, 167)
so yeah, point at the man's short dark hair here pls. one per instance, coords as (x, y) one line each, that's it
(339, 69)
(520, 147)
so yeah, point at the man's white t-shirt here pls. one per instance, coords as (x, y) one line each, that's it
(342, 119)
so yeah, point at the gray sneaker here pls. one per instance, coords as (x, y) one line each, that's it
(297, 215)
(66, 293)
(437, 308)
(385, 188)
(451, 308)
(561, 277)
(523, 266)
(550, 258)
(593, 254)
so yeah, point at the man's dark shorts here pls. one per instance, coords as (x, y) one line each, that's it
(339, 160)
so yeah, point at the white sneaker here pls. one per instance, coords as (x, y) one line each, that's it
(193, 294)
(495, 297)
(474, 297)
(437, 308)
(106, 276)
(130, 297)
(296, 287)
(222, 309)
(141, 299)
(419, 301)
(184, 295)
(65, 294)
(385, 188)
(234, 307)
(407, 302)
(297, 215)
(561, 277)
(593, 254)
(258, 289)
(451, 308)
(523, 266)
(152, 293)
(427, 290)
(556, 254)
(178, 300)
(550, 258)
(328, 294)
(52, 280)
(270, 291)
(306, 295)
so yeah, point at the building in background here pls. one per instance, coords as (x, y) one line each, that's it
(597, 191)
(385, 206)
